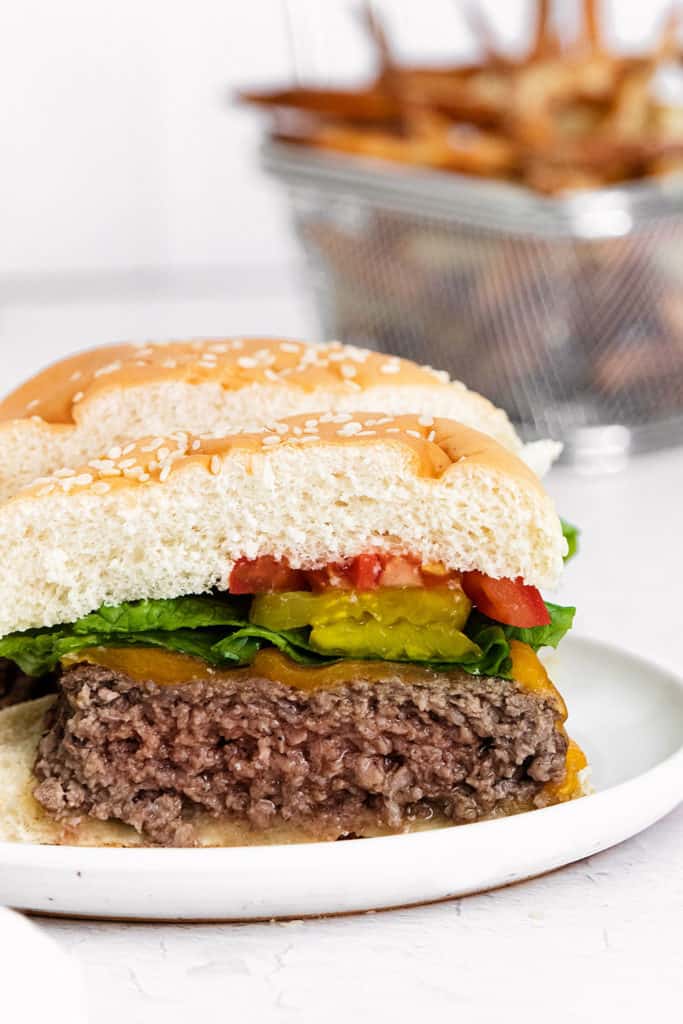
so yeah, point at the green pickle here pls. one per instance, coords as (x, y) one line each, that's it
(409, 623)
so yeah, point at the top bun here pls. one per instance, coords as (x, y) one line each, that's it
(73, 410)
(171, 515)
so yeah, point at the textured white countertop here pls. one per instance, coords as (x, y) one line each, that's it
(599, 940)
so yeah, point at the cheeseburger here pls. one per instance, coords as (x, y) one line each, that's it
(324, 628)
(71, 411)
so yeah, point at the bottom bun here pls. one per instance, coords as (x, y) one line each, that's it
(22, 819)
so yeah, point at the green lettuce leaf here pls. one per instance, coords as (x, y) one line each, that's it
(166, 615)
(561, 621)
(242, 646)
(217, 630)
(571, 535)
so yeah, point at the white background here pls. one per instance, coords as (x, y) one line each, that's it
(131, 202)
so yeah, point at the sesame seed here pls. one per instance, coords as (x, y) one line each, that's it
(168, 364)
(78, 397)
(129, 448)
(109, 368)
(270, 374)
(33, 404)
(219, 347)
(164, 474)
(426, 421)
(287, 346)
(43, 491)
(348, 371)
(83, 480)
(153, 445)
(393, 430)
(271, 439)
(215, 465)
(366, 433)
(196, 445)
(298, 431)
(115, 452)
(163, 454)
(349, 429)
(76, 376)
(127, 463)
(144, 477)
(282, 428)
(101, 487)
(62, 473)
(247, 363)
(414, 433)
(431, 436)
(390, 367)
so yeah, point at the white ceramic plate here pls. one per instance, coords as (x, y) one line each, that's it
(626, 713)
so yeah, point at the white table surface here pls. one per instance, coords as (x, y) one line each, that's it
(597, 941)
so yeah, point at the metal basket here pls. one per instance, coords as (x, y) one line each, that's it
(566, 312)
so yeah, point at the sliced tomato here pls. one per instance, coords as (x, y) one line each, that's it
(263, 575)
(510, 601)
(334, 575)
(361, 573)
(365, 571)
(400, 571)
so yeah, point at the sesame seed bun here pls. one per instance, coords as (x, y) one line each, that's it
(75, 409)
(171, 515)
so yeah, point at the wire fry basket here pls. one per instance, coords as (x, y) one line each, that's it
(566, 312)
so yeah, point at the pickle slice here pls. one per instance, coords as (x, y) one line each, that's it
(408, 623)
(388, 606)
(400, 641)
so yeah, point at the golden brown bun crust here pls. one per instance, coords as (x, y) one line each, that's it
(56, 392)
(434, 446)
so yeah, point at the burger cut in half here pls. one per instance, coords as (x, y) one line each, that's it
(72, 410)
(323, 629)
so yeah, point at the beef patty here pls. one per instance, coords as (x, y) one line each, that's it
(329, 762)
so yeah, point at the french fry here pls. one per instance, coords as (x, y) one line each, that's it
(567, 115)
